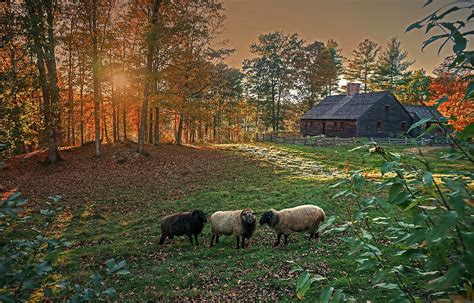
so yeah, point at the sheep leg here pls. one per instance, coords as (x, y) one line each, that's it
(286, 239)
(278, 240)
(238, 240)
(196, 239)
(162, 239)
(316, 236)
(217, 238)
(191, 239)
(243, 242)
(212, 240)
(311, 236)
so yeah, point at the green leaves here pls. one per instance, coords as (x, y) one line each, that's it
(468, 131)
(416, 25)
(452, 277)
(419, 123)
(326, 294)
(43, 268)
(329, 221)
(388, 167)
(304, 283)
(118, 268)
(365, 264)
(428, 179)
(26, 253)
(440, 231)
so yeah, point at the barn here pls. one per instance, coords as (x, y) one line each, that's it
(374, 114)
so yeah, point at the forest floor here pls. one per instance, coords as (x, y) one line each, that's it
(113, 205)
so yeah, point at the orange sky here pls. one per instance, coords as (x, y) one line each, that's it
(347, 21)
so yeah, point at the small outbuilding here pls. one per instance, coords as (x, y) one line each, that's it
(419, 112)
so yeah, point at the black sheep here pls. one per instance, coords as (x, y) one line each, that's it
(185, 223)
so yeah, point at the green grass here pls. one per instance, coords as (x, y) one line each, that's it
(177, 270)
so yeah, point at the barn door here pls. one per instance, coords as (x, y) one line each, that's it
(324, 128)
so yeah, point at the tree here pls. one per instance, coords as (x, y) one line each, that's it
(151, 39)
(335, 66)
(362, 66)
(274, 69)
(414, 88)
(313, 69)
(39, 26)
(97, 15)
(451, 89)
(319, 69)
(391, 66)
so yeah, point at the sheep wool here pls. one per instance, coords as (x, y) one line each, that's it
(239, 223)
(297, 219)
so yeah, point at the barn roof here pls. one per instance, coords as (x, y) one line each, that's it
(343, 106)
(424, 111)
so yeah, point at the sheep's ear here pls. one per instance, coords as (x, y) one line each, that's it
(254, 213)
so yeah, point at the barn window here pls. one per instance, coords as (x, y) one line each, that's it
(387, 108)
(404, 126)
(379, 125)
(341, 125)
(334, 125)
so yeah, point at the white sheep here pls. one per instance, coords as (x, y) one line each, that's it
(297, 219)
(240, 223)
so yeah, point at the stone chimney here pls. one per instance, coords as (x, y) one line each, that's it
(353, 88)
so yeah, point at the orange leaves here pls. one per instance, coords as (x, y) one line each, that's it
(459, 111)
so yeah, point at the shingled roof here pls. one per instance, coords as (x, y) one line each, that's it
(344, 106)
(424, 112)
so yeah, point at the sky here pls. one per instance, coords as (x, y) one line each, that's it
(347, 21)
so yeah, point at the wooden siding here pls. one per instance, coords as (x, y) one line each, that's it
(330, 128)
(389, 114)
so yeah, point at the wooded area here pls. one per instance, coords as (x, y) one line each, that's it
(150, 71)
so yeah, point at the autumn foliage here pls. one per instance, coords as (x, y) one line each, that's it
(460, 112)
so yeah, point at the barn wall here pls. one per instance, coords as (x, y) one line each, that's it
(332, 128)
(391, 121)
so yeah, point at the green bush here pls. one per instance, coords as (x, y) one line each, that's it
(27, 251)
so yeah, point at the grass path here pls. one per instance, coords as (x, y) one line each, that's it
(293, 161)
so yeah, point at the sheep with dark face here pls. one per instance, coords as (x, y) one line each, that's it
(296, 219)
(185, 223)
(240, 223)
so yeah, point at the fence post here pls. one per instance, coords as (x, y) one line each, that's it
(388, 140)
(406, 142)
(353, 140)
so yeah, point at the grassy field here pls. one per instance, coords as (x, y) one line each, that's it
(114, 210)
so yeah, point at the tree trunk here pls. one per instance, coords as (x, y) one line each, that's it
(273, 108)
(82, 112)
(46, 60)
(53, 138)
(95, 76)
(148, 73)
(179, 133)
(117, 122)
(156, 130)
(150, 127)
(124, 121)
(114, 113)
(69, 95)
